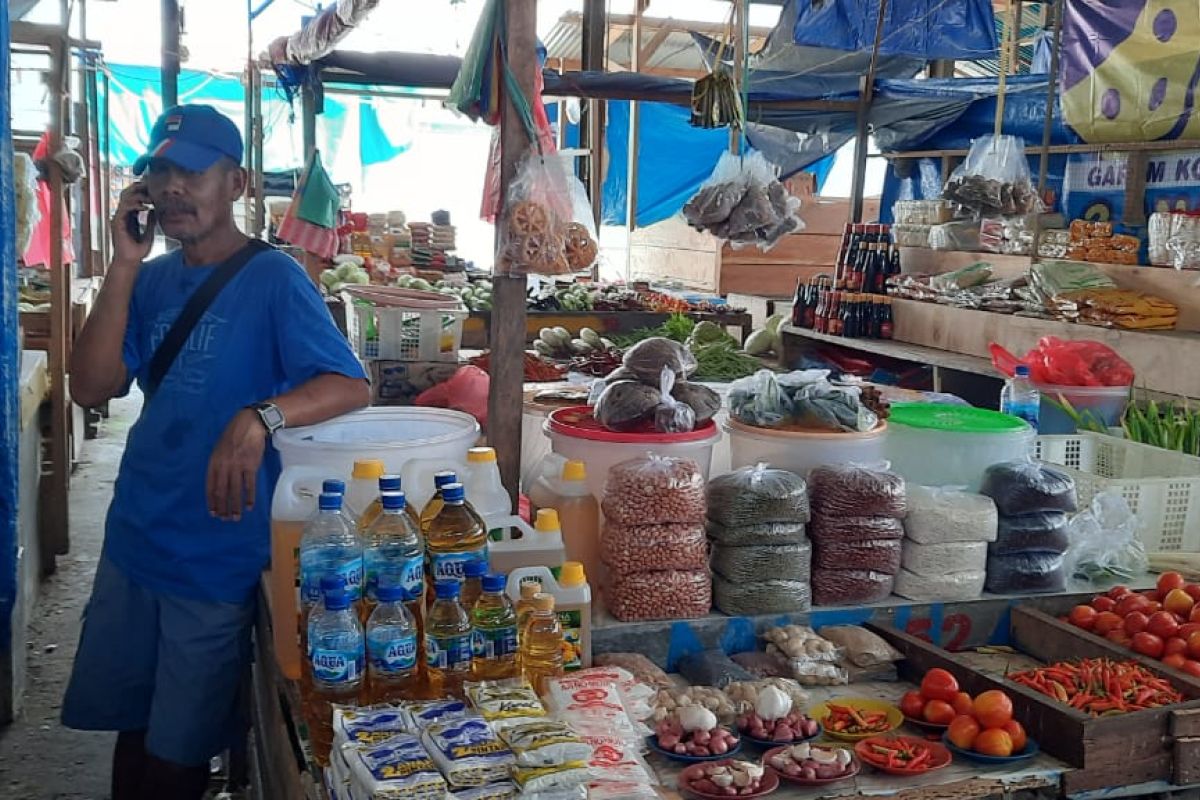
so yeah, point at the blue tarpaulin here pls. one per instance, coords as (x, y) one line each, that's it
(930, 29)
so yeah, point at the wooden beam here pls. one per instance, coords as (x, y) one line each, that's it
(623, 22)
(57, 523)
(635, 125)
(591, 127)
(506, 397)
(1055, 8)
(858, 184)
(741, 26)
(656, 41)
(1157, 146)
(170, 53)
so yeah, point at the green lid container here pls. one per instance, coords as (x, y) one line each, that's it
(955, 419)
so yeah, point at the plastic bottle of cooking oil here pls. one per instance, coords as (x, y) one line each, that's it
(440, 481)
(567, 493)
(363, 488)
(337, 657)
(573, 603)
(392, 651)
(542, 644)
(454, 537)
(473, 572)
(524, 605)
(542, 546)
(495, 636)
(485, 491)
(387, 483)
(447, 641)
(393, 553)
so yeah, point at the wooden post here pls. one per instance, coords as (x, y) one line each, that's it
(1009, 55)
(741, 28)
(57, 524)
(97, 166)
(84, 122)
(864, 107)
(506, 400)
(308, 114)
(170, 53)
(595, 35)
(1055, 8)
(106, 178)
(635, 120)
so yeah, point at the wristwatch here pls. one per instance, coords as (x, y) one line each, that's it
(271, 416)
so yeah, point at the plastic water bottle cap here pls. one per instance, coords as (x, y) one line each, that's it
(531, 590)
(333, 486)
(368, 469)
(547, 521)
(454, 493)
(329, 583)
(391, 593)
(1022, 371)
(475, 569)
(337, 599)
(447, 589)
(330, 502)
(494, 583)
(481, 455)
(389, 483)
(574, 471)
(443, 479)
(572, 574)
(393, 501)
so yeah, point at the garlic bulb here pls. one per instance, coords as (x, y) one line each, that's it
(696, 718)
(772, 704)
(823, 756)
(843, 757)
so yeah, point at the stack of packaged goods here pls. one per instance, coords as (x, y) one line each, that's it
(856, 532)
(761, 557)
(653, 541)
(1033, 502)
(400, 240)
(945, 548)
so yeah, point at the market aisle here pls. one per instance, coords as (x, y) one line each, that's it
(40, 759)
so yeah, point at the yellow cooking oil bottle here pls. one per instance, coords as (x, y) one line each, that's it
(567, 493)
(524, 605)
(542, 644)
(432, 508)
(454, 537)
(388, 484)
(573, 603)
(473, 572)
(495, 635)
(448, 641)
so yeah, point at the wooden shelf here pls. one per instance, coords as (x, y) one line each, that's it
(903, 351)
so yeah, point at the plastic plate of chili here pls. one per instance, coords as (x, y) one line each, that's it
(852, 718)
(903, 755)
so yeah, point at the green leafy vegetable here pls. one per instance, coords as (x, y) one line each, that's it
(722, 362)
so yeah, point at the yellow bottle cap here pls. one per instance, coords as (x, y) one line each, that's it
(572, 575)
(547, 521)
(368, 469)
(481, 455)
(574, 471)
(543, 601)
(531, 590)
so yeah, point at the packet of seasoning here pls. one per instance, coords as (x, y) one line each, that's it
(367, 725)
(421, 715)
(493, 791)
(398, 769)
(505, 702)
(545, 743)
(468, 752)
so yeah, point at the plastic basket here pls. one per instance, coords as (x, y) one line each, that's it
(403, 325)
(1161, 486)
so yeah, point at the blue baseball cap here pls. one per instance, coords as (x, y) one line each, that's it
(193, 137)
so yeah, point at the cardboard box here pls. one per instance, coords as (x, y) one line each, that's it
(397, 383)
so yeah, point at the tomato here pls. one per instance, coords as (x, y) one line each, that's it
(1148, 644)
(1130, 603)
(1017, 734)
(1106, 621)
(1135, 622)
(1082, 617)
(1175, 660)
(1103, 603)
(1192, 668)
(938, 684)
(1119, 637)
(962, 731)
(939, 712)
(1186, 630)
(1193, 590)
(1162, 625)
(1152, 596)
(912, 704)
(1117, 592)
(994, 742)
(1193, 643)
(1179, 602)
(962, 703)
(1168, 581)
(993, 708)
(1152, 608)
(1194, 616)
(1175, 645)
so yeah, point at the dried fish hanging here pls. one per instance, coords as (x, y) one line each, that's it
(716, 101)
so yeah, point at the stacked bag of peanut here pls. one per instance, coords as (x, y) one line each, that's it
(856, 532)
(761, 557)
(946, 532)
(1033, 501)
(653, 541)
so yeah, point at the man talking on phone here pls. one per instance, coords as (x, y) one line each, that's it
(229, 341)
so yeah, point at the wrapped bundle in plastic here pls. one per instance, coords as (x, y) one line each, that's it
(675, 594)
(879, 555)
(1027, 487)
(1026, 573)
(1043, 532)
(830, 530)
(711, 668)
(769, 533)
(938, 515)
(853, 490)
(789, 562)
(758, 495)
(941, 559)
(654, 489)
(839, 587)
(639, 548)
(763, 596)
(946, 587)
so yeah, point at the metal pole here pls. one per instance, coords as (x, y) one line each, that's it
(170, 53)
(635, 120)
(864, 107)
(1055, 8)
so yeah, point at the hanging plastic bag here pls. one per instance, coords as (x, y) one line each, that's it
(994, 179)
(1058, 362)
(466, 391)
(672, 416)
(1104, 542)
(537, 211)
(743, 202)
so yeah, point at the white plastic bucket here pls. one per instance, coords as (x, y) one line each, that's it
(601, 449)
(801, 451)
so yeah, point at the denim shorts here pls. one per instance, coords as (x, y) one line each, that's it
(163, 664)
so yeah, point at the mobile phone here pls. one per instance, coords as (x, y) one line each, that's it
(133, 222)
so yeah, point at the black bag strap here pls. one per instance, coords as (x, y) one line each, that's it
(194, 310)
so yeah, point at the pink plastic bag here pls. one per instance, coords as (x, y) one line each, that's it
(38, 253)
(466, 391)
(1058, 362)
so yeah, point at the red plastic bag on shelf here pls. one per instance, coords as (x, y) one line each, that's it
(1058, 362)
(466, 391)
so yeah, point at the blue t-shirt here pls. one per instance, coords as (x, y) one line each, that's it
(266, 333)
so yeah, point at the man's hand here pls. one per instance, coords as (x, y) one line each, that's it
(233, 467)
(128, 251)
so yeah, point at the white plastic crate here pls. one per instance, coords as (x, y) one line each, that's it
(1161, 486)
(399, 325)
